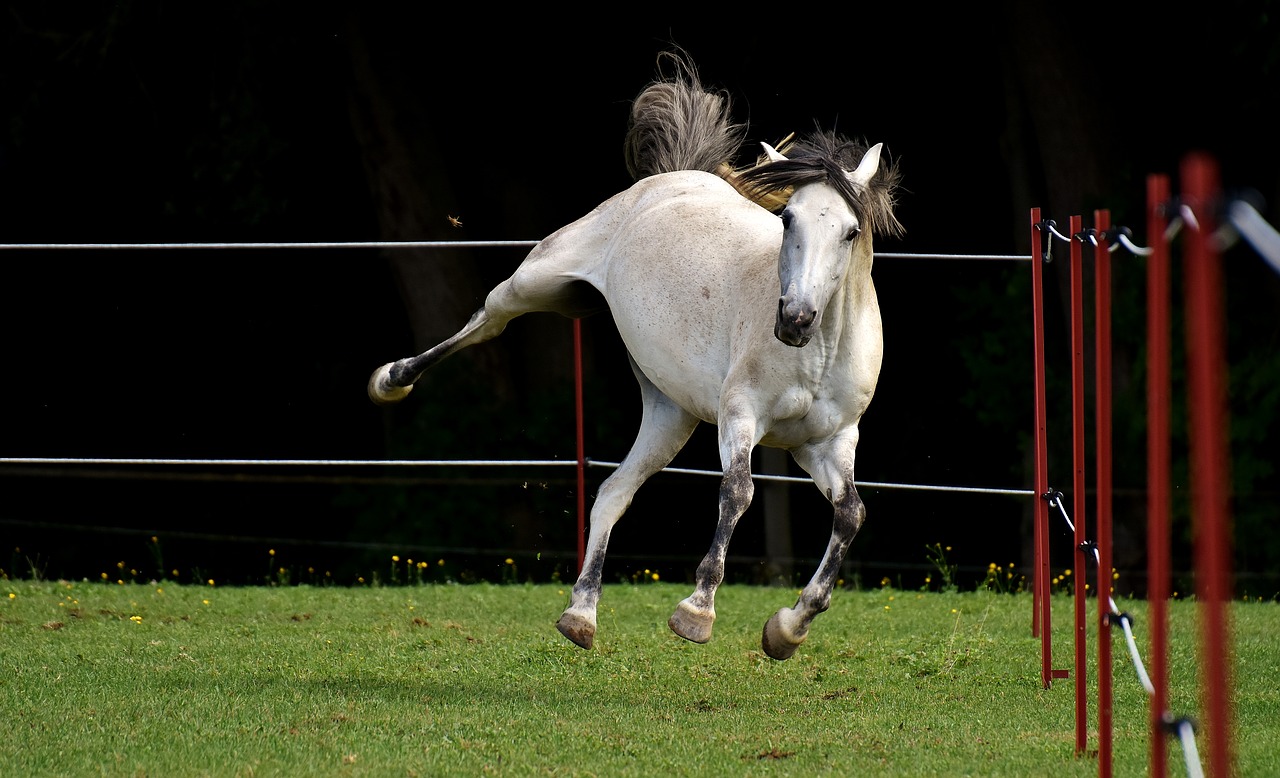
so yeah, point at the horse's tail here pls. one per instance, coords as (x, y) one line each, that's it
(677, 124)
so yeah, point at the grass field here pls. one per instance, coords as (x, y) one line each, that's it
(429, 680)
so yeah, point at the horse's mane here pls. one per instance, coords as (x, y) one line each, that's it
(678, 124)
(825, 156)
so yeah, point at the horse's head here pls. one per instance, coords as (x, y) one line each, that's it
(820, 227)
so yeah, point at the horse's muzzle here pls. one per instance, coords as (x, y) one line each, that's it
(792, 328)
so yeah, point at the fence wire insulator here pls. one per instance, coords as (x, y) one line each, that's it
(1171, 725)
(1055, 498)
(1047, 226)
(1122, 237)
(1051, 228)
(1090, 547)
(1119, 618)
(1116, 233)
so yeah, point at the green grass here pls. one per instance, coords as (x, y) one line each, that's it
(184, 680)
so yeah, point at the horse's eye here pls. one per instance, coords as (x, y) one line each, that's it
(852, 233)
(786, 218)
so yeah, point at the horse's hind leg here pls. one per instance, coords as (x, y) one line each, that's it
(541, 283)
(664, 429)
(394, 380)
(788, 628)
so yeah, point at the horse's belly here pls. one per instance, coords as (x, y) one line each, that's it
(691, 377)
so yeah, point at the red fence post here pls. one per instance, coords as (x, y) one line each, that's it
(1102, 445)
(1208, 428)
(1158, 459)
(1078, 482)
(1040, 508)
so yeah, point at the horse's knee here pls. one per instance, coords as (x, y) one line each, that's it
(737, 488)
(850, 514)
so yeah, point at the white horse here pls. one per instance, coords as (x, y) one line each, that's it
(767, 327)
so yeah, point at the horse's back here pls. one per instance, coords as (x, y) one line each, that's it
(684, 226)
(693, 225)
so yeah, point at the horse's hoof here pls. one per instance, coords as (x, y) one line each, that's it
(380, 389)
(692, 624)
(776, 641)
(578, 629)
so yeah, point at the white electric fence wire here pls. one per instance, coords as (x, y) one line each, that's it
(1253, 228)
(1186, 731)
(1123, 240)
(402, 244)
(367, 244)
(1187, 736)
(1188, 216)
(863, 484)
(468, 463)
(1133, 652)
(286, 462)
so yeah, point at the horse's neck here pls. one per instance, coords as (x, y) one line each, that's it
(858, 289)
(855, 306)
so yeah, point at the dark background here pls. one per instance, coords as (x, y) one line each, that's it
(261, 121)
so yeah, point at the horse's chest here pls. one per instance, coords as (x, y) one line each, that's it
(801, 414)
(792, 405)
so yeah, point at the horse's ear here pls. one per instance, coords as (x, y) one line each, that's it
(867, 167)
(772, 153)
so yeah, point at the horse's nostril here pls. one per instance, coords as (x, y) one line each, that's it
(795, 317)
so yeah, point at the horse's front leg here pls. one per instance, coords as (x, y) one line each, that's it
(696, 614)
(788, 628)
(664, 429)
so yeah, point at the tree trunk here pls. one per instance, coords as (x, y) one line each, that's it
(779, 565)
(1062, 143)
(408, 171)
